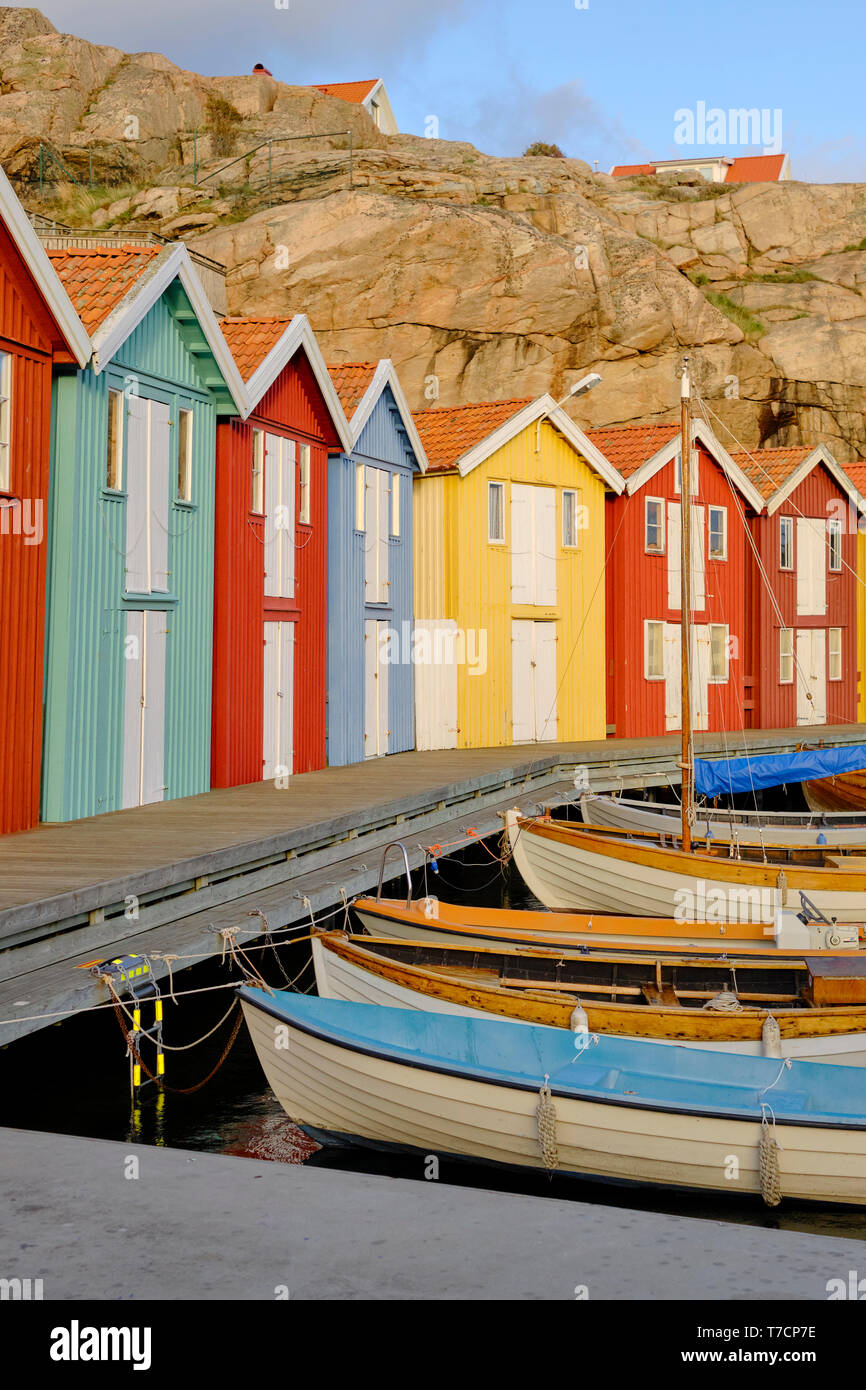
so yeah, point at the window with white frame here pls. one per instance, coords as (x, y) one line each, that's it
(654, 661)
(693, 472)
(395, 504)
(654, 526)
(786, 542)
(718, 653)
(496, 513)
(786, 655)
(258, 475)
(718, 528)
(114, 451)
(304, 476)
(184, 455)
(5, 421)
(835, 662)
(570, 519)
(834, 542)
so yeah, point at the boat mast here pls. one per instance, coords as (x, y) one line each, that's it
(686, 595)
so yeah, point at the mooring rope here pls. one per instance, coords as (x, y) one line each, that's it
(771, 1179)
(545, 1119)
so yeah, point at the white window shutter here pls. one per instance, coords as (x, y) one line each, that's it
(384, 530)
(160, 454)
(371, 535)
(522, 567)
(137, 515)
(272, 501)
(286, 535)
(674, 555)
(697, 543)
(546, 549)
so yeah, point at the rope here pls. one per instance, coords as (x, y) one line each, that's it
(725, 1002)
(160, 1081)
(545, 1119)
(771, 1181)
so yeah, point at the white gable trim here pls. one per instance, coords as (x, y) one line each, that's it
(171, 264)
(701, 433)
(50, 286)
(378, 94)
(385, 375)
(819, 455)
(543, 406)
(299, 334)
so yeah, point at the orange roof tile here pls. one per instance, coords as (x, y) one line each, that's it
(250, 340)
(628, 447)
(621, 171)
(448, 432)
(96, 278)
(347, 91)
(351, 380)
(857, 473)
(755, 168)
(768, 469)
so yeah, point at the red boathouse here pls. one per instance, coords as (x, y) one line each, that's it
(270, 566)
(38, 329)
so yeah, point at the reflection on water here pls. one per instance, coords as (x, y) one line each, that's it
(74, 1079)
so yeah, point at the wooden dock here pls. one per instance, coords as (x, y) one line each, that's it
(168, 877)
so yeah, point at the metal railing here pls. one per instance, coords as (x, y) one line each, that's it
(270, 141)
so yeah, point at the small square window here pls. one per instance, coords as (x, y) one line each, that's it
(654, 668)
(654, 541)
(718, 520)
(718, 652)
(184, 455)
(786, 655)
(114, 454)
(258, 474)
(496, 512)
(835, 654)
(834, 545)
(304, 473)
(786, 542)
(5, 421)
(693, 472)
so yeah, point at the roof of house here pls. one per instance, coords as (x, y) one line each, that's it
(768, 469)
(628, 447)
(251, 339)
(752, 168)
(348, 91)
(448, 432)
(857, 473)
(97, 278)
(351, 381)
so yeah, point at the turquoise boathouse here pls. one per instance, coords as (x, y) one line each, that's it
(129, 630)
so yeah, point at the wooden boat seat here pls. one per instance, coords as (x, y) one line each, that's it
(854, 863)
(836, 980)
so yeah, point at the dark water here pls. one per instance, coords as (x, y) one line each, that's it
(74, 1079)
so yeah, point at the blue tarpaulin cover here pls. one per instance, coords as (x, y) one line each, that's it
(771, 770)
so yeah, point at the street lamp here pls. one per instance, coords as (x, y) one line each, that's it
(580, 388)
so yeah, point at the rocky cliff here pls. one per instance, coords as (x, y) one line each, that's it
(480, 277)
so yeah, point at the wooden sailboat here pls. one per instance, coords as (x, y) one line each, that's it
(537, 1097)
(847, 792)
(575, 868)
(428, 919)
(721, 1003)
(740, 827)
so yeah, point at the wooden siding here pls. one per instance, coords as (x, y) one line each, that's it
(775, 703)
(637, 592)
(383, 444)
(87, 603)
(461, 576)
(295, 408)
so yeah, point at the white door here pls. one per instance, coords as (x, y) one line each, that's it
(811, 566)
(278, 700)
(811, 676)
(435, 683)
(534, 547)
(144, 708)
(673, 676)
(698, 552)
(375, 689)
(700, 676)
(377, 525)
(533, 681)
(148, 480)
(701, 666)
(279, 516)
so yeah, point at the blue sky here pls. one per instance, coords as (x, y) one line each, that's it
(604, 81)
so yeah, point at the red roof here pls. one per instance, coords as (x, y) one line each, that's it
(448, 432)
(857, 473)
(351, 381)
(251, 339)
(757, 168)
(97, 278)
(768, 469)
(347, 91)
(621, 171)
(629, 447)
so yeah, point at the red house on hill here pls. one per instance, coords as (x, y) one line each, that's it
(801, 661)
(38, 329)
(643, 580)
(270, 568)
